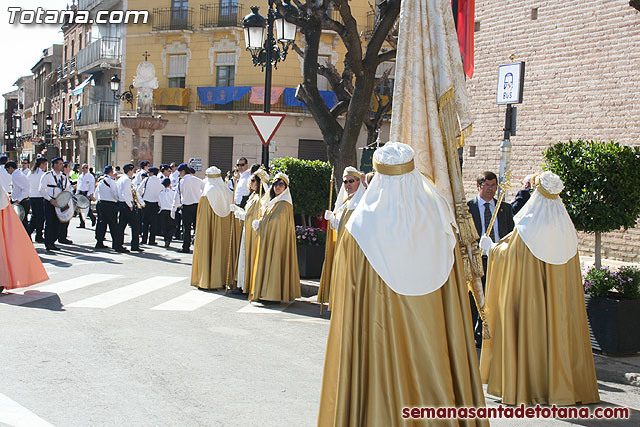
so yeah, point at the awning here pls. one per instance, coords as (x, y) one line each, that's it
(78, 90)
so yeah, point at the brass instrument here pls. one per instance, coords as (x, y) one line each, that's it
(139, 203)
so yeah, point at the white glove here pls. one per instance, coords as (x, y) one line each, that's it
(329, 216)
(486, 243)
(255, 224)
(173, 214)
(233, 207)
(240, 214)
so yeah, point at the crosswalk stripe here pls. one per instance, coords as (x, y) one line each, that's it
(27, 295)
(190, 301)
(117, 296)
(259, 308)
(13, 414)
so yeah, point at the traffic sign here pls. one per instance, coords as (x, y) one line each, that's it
(266, 125)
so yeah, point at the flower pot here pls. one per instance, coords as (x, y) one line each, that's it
(310, 260)
(614, 325)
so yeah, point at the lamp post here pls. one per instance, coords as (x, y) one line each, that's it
(260, 41)
(48, 121)
(115, 88)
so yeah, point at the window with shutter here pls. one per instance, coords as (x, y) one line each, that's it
(172, 149)
(177, 66)
(221, 153)
(312, 149)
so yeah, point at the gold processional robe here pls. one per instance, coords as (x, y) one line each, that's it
(236, 241)
(211, 248)
(275, 274)
(333, 236)
(539, 351)
(250, 239)
(387, 351)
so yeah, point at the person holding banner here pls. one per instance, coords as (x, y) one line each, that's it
(275, 276)
(52, 184)
(540, 351)
(349, 196)
(213, 226)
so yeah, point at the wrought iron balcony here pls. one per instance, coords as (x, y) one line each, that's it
(371, 22)
(101, 112)
(102, 51)
(221, 15)
(172, 19)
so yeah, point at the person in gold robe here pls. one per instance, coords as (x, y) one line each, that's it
(258, 187)
(275, 276)
(213, 225)
(400, 332)
(539, 351)
(350, 194)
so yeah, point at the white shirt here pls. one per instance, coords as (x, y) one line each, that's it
(165, 199)
(52, 184)
(242, 187)
(34, 182)
(25, 172)
(124, 190)
(150, 188)
(86, 182)
(492, 207)
(188, 191)
(137, 179)
(20, 185)
(107, 190)
(175, 177)
(5, 179)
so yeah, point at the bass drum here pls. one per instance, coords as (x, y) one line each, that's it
(83, 204)
(19, 210)
(65, 214)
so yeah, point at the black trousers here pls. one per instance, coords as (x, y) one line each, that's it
(37, 217)
(150, 221)
(132, 219)
(90, 215)
(167, 226)
(51, 224)
(475, 317)
(26, 205)
(188, 219)
(178, 223)
(63, 231)
(107, 215)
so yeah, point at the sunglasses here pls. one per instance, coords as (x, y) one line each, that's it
(240, 164)
(279, 184)
(349, 181)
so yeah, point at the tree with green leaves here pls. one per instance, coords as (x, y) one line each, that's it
(602, 185)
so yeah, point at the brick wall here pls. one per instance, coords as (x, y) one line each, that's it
(582, 80)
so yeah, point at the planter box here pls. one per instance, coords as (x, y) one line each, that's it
(614, 325)
(310, 260)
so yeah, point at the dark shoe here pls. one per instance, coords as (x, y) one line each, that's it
(143, 242)
(93, 222)
(153, 243)
(65, 241)
(166, 245)
(137, 250)
(39, 239)
(122, 250)
(81, 226)
(1, 289)
(236, 291)
(100, 246)
(185, 251)
(52, 248)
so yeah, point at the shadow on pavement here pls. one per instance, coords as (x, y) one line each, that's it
(33, 299)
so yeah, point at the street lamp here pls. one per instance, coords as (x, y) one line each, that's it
(115, 88)
(48, 121)
(34, 125)
(264, 49)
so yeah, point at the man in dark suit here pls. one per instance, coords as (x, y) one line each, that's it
(482, 207)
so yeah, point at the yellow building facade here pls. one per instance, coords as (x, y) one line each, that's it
(198, 46)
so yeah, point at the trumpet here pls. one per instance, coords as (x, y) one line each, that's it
(139, 203)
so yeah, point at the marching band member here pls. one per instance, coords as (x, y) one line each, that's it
(20, 265)
(213, 226)
(539, 351)
(140, 174)
(187, 196)
(25, 167)
(349, 196)
(165, 201)
(149, 189)
(5, 178)
(63, 229)
(128, 210)
(52, 184)
(20, 190)
(107, 208)
(86, 187)
(276, 276)
(37, 206)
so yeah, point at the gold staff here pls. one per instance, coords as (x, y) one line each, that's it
(235, 186)
(331, 184)
(504, 186)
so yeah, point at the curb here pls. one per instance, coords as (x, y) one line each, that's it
(309, 288)
(615, 370)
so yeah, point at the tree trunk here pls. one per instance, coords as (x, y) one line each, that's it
(597, 250)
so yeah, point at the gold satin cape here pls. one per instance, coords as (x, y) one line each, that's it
(386, 351)
(324, 291)
(275, 274)
(250, 239)
(211, 248)
(539, 351)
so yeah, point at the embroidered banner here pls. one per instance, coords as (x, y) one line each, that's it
(221, 94)
(290, 99)
(171, 96)
(257, 94)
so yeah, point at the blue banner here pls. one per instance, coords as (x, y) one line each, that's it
(290, 100)
(221, 94)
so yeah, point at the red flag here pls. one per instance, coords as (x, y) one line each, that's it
(465, 19)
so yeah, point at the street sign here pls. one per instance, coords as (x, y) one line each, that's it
(266, 124)
(510, 83)
(195, 164)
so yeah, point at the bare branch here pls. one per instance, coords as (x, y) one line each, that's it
(387, 56)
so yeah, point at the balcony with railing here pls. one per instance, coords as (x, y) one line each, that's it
(101, 112)
(73, 65)
(371, 22)
(220, 15)
(104, 51)
(65, 69)
(59, 71)
(172, 19)
(243, 104)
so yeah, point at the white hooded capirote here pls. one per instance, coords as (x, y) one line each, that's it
(217, 192)
(544, 224)
(404, 225)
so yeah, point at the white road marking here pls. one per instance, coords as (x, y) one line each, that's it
(259, 308)
(13, 414)
(188, 302)
(26, 295)
(126, 293)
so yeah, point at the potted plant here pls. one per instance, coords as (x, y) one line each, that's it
(613, 309)
(310, 248)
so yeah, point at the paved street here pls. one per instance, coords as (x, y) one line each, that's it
(123, 340)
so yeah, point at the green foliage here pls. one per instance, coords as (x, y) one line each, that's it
(602, 183)
(629, 285)
(309, 183)
(599, 282)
